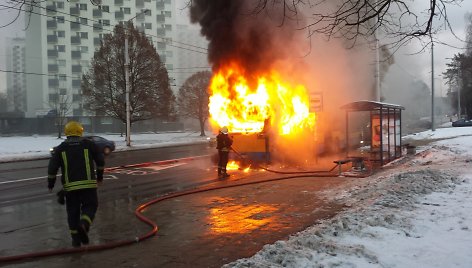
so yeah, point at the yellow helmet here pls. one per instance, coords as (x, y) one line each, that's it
(224, 130)
(73, 128)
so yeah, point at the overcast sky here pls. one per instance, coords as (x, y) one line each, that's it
(415, 65)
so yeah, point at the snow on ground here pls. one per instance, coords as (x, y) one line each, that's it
(37, 146)
(416, 213)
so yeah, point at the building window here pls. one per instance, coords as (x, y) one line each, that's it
(76, 97)
(126, 10)
(148, 25)
(106, 22)
(53, 97)
(83, 35)
(61, 48)
(83, 49)
(61, 34)
(83, 21)
(105, 8)
(83, 6)
(60, 19)
(60, 5)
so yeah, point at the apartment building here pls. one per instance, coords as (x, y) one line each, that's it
(61, 38)
(16, 78)
(189, 61)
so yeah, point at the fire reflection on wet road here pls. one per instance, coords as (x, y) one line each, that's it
(228, 217)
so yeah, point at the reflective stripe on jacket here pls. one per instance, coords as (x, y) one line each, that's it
(77, 158)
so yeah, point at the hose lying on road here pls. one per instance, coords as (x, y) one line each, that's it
(153, 225)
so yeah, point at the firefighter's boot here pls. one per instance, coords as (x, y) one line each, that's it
(75, 239)
(83, 232)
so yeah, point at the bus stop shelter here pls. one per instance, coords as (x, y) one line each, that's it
(373, 131)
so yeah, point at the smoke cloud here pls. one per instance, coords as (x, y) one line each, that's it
(236, 32)
(266, 40)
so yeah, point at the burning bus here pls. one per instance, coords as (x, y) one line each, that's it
(258, 108)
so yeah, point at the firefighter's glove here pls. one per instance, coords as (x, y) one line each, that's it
(50, 187)
(61, 197)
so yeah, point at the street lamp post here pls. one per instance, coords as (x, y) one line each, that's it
(127, 89)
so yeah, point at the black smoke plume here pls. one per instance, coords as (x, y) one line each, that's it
(237, 33)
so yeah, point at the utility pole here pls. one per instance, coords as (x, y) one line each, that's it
(459, 93)
(378, 91)
(432, 83)
(128, 106)
(127, 89)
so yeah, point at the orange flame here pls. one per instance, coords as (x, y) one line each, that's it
(244, 108)
(233, 165)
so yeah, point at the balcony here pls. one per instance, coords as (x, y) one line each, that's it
(97, 12)
(50, 9)
(161, 32)
(51, 24)
(76, 68)
(160, 18)
(53, 82)
(75, 26)
(53, 68)
(119, 15)
(160, 5)
(97, 41)
(76, 83)
(75, 40)
(97, 27)
(75, 11)
(76, 55)
(52, 53)
(52, 39)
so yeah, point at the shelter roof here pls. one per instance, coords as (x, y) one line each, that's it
(370, 106)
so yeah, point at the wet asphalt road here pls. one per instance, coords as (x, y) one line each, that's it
(25, 181)
(200, 230)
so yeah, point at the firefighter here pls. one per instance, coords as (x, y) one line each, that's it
(77, 158)
(223, 145)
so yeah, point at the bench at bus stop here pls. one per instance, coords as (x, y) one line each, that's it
(357, 163)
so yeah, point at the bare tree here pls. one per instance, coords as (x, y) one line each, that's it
(60, 106)
(193, 98)
(459, 76)
(104, 85)
(395, 18)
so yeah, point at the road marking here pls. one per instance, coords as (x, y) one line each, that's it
(20, 180)
(112, 177)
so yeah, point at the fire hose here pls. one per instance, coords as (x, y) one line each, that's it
(313, 172)
(153, 225)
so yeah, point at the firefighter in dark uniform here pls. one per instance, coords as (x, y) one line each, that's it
(77, 158)
(223, 145)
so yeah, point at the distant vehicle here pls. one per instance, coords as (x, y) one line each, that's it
(462, 123)
(103, 145)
